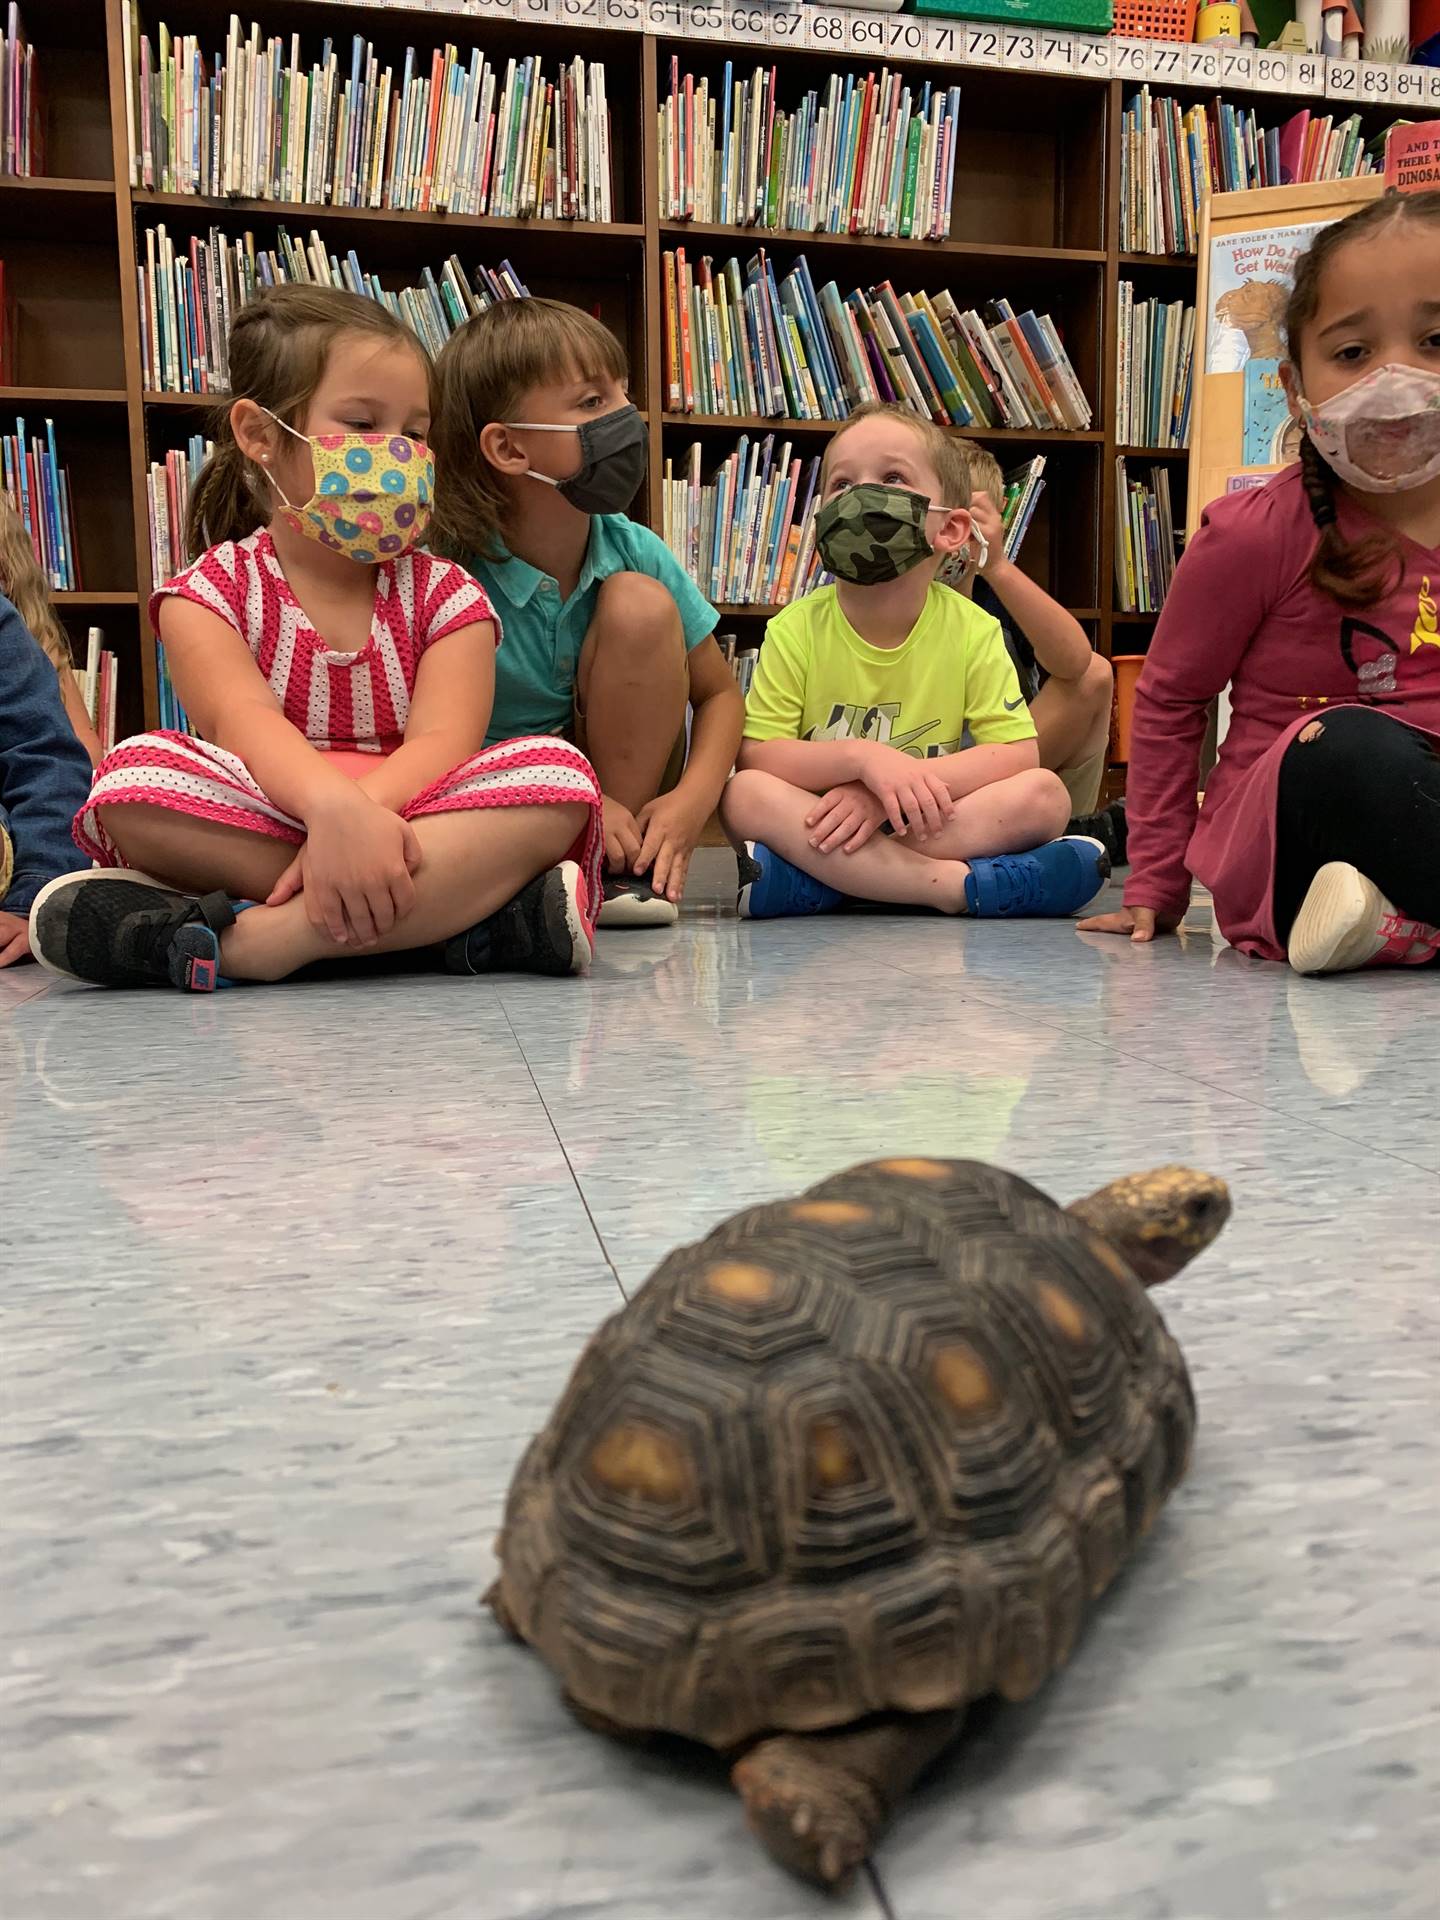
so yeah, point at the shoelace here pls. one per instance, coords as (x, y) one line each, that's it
(1018, 884)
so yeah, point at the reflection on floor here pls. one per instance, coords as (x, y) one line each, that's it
(290, 1275)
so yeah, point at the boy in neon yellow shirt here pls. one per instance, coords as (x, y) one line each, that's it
(852, 778)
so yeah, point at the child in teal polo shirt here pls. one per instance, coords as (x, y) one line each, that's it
(605, 637)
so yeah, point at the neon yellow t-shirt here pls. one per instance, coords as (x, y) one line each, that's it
(816, 679)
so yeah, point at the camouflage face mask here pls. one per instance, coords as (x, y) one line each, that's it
(870, 534)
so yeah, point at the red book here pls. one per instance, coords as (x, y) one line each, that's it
(867, 108)
(1412, 157)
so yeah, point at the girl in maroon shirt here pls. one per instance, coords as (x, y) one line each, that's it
(1315, 599)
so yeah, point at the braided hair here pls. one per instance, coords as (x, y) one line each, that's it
(1356, 573)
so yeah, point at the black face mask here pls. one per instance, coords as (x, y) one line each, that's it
(612, 460)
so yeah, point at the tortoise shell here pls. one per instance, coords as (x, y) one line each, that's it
(879, 1447)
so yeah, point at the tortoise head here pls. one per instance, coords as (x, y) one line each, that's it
(1157, 1221)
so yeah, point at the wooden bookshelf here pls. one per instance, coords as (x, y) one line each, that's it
(1034, 218)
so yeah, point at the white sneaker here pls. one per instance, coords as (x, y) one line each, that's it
(1346, 923)
(630, 901)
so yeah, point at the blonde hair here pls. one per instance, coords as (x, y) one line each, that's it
(25, 586)
(985, 472)
(279, 344)
(944, 451)
(484, 371)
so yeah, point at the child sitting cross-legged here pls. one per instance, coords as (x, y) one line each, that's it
(852, 778)
(608, 641)
(1071, 709)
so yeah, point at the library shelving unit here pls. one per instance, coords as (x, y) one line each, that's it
(1034, 219)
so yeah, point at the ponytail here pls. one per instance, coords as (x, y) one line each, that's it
(1356, 573)
(224, 504)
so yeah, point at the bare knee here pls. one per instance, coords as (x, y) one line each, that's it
(749, 801)
(1097, 685)
(637, 617)
(1040, 802)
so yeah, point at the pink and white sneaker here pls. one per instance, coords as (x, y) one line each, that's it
(1346, 923)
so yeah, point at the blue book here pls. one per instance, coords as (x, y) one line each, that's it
(834, 378)
(951, 397)
(57, 517)
(725, 146)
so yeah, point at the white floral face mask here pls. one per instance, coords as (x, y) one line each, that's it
(1383, 434)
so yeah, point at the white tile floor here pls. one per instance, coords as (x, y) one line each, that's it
(290, 1275)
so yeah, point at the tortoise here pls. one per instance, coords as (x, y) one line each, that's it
(848, 1464)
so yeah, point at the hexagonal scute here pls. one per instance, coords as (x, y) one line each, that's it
(662, 1479)
(751, 1306)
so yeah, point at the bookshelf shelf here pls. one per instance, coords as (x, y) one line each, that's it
(96, 599)
(1134, 619)
(58, 398)
(1129, 262)
(180, 402)
(556, 235)
(1154, 453)
(877, 245)
(794, 429)
(43, 186)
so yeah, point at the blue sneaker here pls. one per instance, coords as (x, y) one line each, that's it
(771, 888)
(1056, 879)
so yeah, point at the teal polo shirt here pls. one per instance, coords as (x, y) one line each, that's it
(541, 635)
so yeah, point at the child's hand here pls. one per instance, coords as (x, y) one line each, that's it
(986, 515)
(1140, 924)
(671, 825)
(622, 837)
(845, 816)
(14, 938)
(915, 800)
(354, 871)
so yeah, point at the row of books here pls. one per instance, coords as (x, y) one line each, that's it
(1170, 158)
(741, 344)
(1023, 488)
(172, 714)
(38, 489)
(167, 493)
(21, 147)
(167, 498)
(1156, 348)
(741, 658)
(747, 535)
(870, 155)
(453, 133)
(189, 294)
(99, 685)
(1145, 547)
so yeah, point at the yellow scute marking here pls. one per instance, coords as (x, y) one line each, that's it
(641, 1460)
(830, 1213)
(1068, 1319)
(739, 1281)
(833, 1460)
(916, 1169)
(964, 1381)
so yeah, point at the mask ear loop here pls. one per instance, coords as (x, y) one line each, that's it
(285, 499)
(540, 426)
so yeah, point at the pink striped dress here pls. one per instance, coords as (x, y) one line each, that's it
(343, 703)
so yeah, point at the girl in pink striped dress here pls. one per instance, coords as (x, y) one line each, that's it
(337, 800)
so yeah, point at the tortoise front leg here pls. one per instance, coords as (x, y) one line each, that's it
(820, 1801)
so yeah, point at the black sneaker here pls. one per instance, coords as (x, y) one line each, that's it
(1108, 827)
(628, 900)
(123, 929)
(544, 929)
